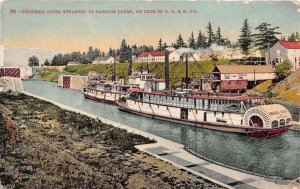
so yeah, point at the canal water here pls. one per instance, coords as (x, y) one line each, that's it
(279, 156)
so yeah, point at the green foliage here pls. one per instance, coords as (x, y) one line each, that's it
(33, 61)
(201, 41)
(176, 70)
(211, 35)
(245, 39)
(266, 35)
(124, 51)
(192, 42)
(160, 45)
(47, 63)
(180, 42)
(282, 70)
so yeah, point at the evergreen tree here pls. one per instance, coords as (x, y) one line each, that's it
(179, 42)
(219, 39)
(111, 52)
(33, 61)
(47, 63)
(160, 45)
(97, 53)
(292, 37)
(245, 39)
(201, 41)
(192, 43)
(266, 35)
(124, 51)
(165, 45)
(211, 35)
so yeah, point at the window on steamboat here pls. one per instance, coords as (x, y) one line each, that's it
(282, 122)
(288, 121)
(275, 123)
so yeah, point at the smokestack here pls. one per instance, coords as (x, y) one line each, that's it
(186, 71)
(167, 79)
(130, 62)
(115, 70)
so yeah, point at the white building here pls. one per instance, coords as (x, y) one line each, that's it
(157, 56)
(74, 63)
(104, 60)
(1, 55)
(285, 50)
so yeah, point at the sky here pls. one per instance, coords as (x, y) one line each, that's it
(76, 32)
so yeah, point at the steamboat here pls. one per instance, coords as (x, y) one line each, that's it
(228, 112)
(100, 88)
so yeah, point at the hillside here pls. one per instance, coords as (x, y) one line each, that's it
(286, 91)
(176, 70)
(20, 56)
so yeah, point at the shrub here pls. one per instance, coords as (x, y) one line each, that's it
(283, 70)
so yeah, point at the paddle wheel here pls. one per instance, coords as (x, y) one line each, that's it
(263, 121)
(256, 121)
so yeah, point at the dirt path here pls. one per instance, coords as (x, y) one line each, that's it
(55, 148)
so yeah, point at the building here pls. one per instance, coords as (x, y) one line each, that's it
(1, 55)
(157, 56)
(104, 60)
(237, 78)
(73, 63)
(285, 50)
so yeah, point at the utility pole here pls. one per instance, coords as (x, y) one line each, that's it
(269, 55)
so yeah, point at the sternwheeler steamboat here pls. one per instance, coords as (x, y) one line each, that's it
(228, 112)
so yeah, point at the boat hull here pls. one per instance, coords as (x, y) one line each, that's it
(249, 131)
(113, 102)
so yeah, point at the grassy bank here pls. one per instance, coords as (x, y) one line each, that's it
(55, 148)
(176, 70)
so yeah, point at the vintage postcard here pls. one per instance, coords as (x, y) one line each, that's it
(149, 94)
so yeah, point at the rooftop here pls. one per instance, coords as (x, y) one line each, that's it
(290, 44)
(154, 53)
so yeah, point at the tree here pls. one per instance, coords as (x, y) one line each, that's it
(124, 51)
(201, 41)
(283, 70)
(245, 39)
(180, 42)
(192, 43)
(219, 39)
(160, 46)
(211, 34)
(265, 35)
(33, 61)
(111, 52)
(165, 45)
(46, 63)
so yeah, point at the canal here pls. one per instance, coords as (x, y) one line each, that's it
(279, 156)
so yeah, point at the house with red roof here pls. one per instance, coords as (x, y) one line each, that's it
(285, 50)
(157, 56)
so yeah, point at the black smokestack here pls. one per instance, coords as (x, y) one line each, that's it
(167, 75)
(186, 71)
(115, 70)
(130, 62)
